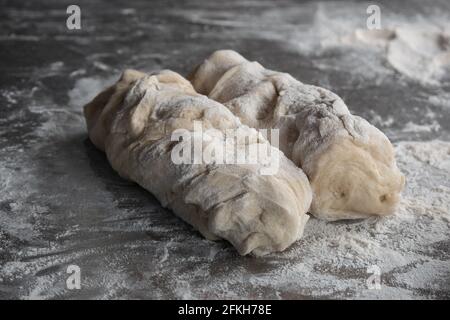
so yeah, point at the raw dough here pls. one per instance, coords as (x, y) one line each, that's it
(350, 163)
(133, 120)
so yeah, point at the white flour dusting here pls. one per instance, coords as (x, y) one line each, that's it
(416, 52)
(331, 260)
(414, 127)
(128, 247)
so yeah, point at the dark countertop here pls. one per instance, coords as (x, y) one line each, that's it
(61, 204)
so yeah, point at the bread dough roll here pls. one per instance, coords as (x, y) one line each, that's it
(350, 163)
(133, 120)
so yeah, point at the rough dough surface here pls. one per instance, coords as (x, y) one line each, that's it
(132, 121)
(350, 163)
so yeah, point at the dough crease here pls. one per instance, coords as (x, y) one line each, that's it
(132, 122)
(350, 163)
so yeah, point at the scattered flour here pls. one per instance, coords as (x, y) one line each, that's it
(128, 247)
(85, 90)
(160, 257)
(442, 100)
(435, 153)
(423, 55)
(414, 127)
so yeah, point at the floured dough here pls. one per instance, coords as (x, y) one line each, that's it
(133, 120)
(350, 163)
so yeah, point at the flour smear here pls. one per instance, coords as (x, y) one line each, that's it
(61, 203)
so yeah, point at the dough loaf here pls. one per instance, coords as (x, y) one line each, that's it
(350, 163)
(132, 122)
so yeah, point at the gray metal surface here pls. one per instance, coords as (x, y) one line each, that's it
(62, 204)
